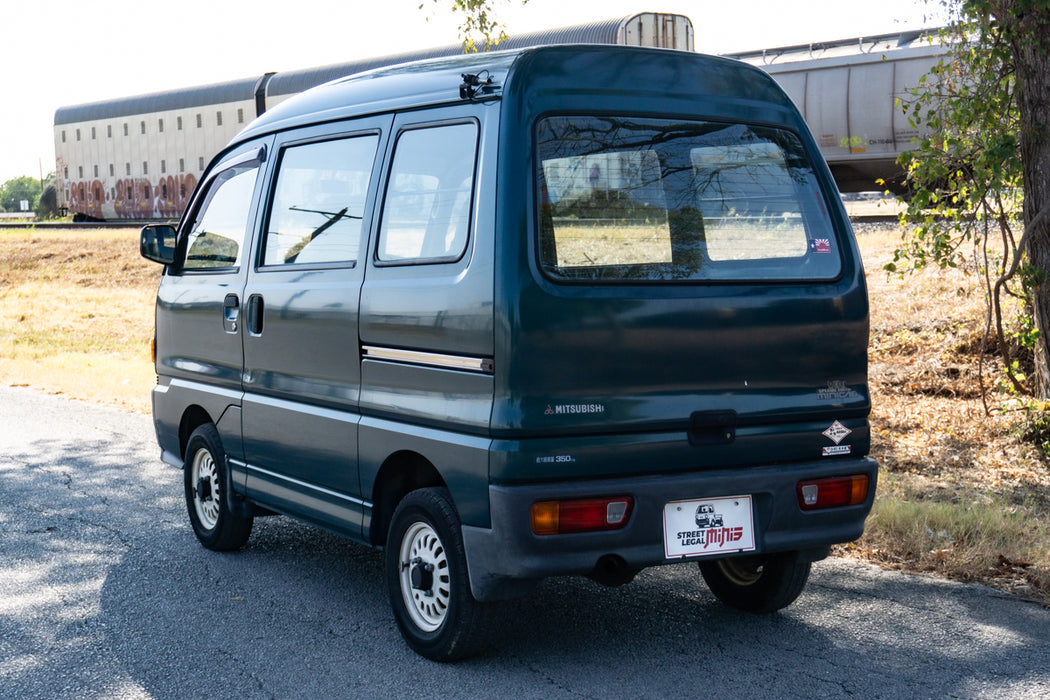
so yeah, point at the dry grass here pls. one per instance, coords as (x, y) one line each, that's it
(960, 493)
(76, 314)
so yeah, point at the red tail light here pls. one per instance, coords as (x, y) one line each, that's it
(832, 493)
(581, 515)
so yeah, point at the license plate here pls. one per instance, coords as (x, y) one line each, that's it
(701, 528)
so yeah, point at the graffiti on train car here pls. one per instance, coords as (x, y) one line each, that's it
(132, 198)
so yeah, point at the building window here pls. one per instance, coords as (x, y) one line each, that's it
(218, 118)
(127, 168)
(65, 173)
(145, 168)
(163, 167)
(182, 165)
(199, 122)
(240, 116)
(142, 127)
(200, 163)
(160, 125)
(80, 171)
(78, 134)
(96, 171)
(63, 136)
(112, 171)
(92, 133)
(109, 131)
(125, 128)
(112, 192)
(178, 123)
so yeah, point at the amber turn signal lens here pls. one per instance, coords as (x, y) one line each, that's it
(580, 515)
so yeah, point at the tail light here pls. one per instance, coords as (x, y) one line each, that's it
(832, 493)
(580, 515)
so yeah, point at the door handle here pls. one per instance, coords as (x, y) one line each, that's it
(231, 311)
(255, 314)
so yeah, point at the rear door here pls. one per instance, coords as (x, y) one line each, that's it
(301, 352)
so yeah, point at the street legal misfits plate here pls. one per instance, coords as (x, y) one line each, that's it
(709, 526)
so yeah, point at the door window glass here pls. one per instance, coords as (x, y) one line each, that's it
(426, 213)
(319, 202)
(216, 237)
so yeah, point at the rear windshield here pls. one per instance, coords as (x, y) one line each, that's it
(628, 200)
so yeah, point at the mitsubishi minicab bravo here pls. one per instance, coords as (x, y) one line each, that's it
(506, 316)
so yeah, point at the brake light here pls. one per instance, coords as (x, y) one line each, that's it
(832, 493)
(580, 515)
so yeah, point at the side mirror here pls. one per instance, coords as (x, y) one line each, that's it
(157, 243)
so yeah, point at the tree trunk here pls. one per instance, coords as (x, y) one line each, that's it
(1029, 35)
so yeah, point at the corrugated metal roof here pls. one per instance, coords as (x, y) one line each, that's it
(293, 82)
(185, 98)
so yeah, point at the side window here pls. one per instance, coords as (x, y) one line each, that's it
(426, 212)
(216, 237)
(318, 202)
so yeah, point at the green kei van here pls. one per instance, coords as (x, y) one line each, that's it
(561, 310)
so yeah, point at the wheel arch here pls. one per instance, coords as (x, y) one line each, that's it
(192, 418)
(401, 473)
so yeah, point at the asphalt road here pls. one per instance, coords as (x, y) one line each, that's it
(105, 593)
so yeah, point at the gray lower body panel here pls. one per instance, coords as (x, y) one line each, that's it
(507, 559)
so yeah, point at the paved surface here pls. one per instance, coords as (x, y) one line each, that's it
(105, 593)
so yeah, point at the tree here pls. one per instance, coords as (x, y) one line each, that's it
(986, 159)
(480, 26)
(13, 192)
(47, 205)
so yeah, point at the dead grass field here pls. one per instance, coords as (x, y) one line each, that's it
(960, 493)
(76, 314)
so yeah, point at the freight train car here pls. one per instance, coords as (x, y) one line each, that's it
(140, 157)
(848, 92)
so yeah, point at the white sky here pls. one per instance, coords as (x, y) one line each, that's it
(65, 52)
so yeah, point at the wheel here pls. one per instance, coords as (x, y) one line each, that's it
(761, 584)
(426, 575)
(206, 480)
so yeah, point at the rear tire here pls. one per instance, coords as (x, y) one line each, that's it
(427, 580)
(206, 478)
(762, 583)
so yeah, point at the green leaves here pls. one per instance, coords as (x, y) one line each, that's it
(479, 27)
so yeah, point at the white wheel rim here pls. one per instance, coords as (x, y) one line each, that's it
(207, 507)
(742, 573)
(427, 607)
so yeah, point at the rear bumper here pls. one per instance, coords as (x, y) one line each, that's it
(507, 559)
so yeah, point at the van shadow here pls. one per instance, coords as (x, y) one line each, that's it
(302, 612)
(111, 584)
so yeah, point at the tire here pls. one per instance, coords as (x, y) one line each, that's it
(762, 583)
(426, 575)
(206, 479)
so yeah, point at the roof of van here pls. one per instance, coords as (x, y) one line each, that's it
(438, 81)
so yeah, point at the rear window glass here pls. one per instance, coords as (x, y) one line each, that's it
(648, 200)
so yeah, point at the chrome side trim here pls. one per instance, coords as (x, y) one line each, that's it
(312, 487)
(482, 365)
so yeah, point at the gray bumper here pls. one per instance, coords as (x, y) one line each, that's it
(507, 559)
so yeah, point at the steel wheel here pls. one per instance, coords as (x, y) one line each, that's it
(759, 583)
(745, 571)
(204, 479)
(424, 577)
(427, 579)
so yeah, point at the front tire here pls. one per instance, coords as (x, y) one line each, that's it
(427, 580)
(206, 479)
(762, 583)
